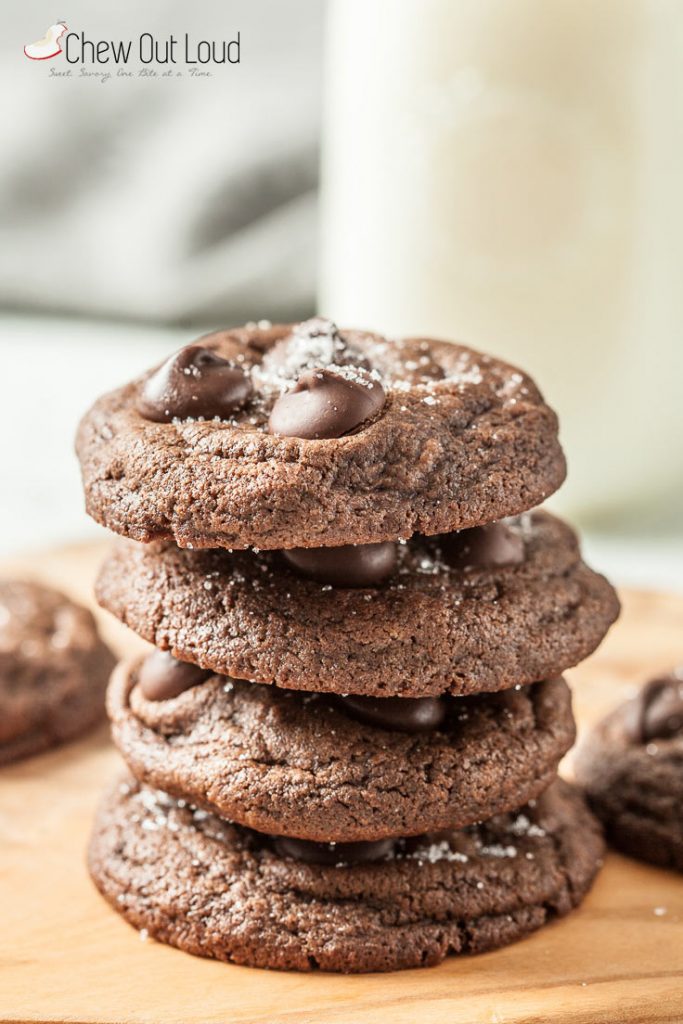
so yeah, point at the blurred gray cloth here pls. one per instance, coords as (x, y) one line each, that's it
(168, 200)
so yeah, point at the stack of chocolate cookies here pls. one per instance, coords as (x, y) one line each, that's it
(344, 751)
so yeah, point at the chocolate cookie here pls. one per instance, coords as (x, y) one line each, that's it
(631, 766)
(218, 890)
(304, 436)
(448, 619)
(320, 768)
(53, 669)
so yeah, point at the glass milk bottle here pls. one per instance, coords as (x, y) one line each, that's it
(510, 174)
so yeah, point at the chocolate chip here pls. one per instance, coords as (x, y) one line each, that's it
(351, 565)
(192, 383)
(483, 547)
(324, 404)
(161, 676)
(403, 714)
(333, 853)
(662, 709)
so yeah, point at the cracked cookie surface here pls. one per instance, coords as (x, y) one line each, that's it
(463, 439)
(298, 764)
(217, 890)
(430, 629)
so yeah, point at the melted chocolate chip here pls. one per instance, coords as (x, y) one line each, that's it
(483, 547)
(192, 383)
(351, 565)
(161, 676)
(333, 853)
(324, 404)
(662, 709)
(403, 714)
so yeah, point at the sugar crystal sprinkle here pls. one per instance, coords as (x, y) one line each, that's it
(436, 852)
(498, 850)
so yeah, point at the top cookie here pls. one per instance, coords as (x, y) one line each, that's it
(306, 436)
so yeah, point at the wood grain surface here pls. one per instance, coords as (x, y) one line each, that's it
(65, 956)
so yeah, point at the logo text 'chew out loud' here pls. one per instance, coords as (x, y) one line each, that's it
(78, 49)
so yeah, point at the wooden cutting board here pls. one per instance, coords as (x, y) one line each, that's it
(65, 956)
